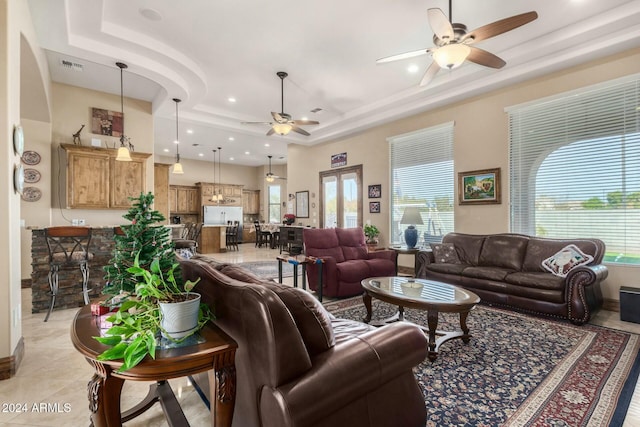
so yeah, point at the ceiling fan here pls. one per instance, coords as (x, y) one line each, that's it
(270, 175)
(283, 124)
(453, 42)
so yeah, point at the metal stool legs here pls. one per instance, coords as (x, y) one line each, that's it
(54, 285)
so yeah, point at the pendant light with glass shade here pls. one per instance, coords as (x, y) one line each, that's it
(220, 197)
(177, 167)
(214, 195)
(125, 142)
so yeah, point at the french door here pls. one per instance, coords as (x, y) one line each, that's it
(341, 197)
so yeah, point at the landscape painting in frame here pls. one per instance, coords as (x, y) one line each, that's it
(479, 187)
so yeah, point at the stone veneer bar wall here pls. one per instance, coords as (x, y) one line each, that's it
(70, 279)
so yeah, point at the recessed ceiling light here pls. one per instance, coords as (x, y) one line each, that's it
(267, 145)
(176, 142)
(200, 154)
(189, 131)
(413, 68)
(231, 99)
(247, 153)
(150, 14)
(231, 138)
(231, 158)
(166, 150)
(304, 118)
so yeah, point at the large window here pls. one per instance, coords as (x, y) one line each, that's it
(575, 167)
(341, 197)
(274, 204)
(422, 176)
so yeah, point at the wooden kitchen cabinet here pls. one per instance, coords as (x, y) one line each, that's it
(251, 202)
(95, 180)
(184, 199)
(232, 193)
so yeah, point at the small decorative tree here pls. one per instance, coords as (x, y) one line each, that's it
(144, 238)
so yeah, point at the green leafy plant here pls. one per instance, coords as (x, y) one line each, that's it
(136, 326)
(371, 231)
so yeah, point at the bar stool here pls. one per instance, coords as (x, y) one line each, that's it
(232, 235)
(68, 248)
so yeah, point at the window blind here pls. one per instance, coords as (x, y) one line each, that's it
(575, 167)
(422, 176)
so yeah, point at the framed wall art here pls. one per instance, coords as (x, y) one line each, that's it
(106, 122)
(338, 160)
(479, 187)
(374, 207)
(302, 204)
(375, 191)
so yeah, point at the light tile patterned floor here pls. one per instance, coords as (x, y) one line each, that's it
(53, 372)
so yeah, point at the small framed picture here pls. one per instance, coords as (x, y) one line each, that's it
(375, 191)
(479, 187)
(374, 207)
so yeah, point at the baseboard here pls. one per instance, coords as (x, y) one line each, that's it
(25, 283)
(9, 365)
(611, 304)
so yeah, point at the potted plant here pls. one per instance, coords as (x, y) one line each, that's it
(371, 232)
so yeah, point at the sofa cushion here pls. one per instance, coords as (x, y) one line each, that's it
(345, 329)
(353, 271)
(506, 251)
(489, 273)
(448, 268)
(381, 267)
(565, 260)
(536, 280)
(351, 240)
(312, 320)
(468, 246)
(540, 249)
(444, 253)
(324, 243)
(217, 265)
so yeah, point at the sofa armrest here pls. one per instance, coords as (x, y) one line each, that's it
(423, 258)
(353, 368)
(579, 300)
(384, 254)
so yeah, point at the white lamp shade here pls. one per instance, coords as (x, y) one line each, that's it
(452, 55)
(177, 169)
(282, 128)
(123, 155)
(411, 216)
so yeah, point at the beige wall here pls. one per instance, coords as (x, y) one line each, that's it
(480, 142)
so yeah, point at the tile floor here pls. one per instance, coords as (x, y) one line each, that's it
(55, 374)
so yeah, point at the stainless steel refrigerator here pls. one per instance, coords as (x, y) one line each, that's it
(221, 214)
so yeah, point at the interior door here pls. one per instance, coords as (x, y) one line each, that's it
(341, 197)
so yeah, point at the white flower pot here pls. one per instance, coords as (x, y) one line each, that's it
(180, 319)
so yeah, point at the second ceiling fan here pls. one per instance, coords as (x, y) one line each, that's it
(283, 123)
(453, 42)
(270, 175)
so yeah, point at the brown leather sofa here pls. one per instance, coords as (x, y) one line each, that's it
(299, 366)
(346, 260)
(506, 270)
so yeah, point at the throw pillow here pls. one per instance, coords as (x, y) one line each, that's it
(444, 253)
(565, 260)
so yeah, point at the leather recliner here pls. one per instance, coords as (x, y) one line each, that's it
(299, 366)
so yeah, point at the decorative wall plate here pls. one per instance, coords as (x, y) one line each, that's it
(18, 178)
(30, 158)
(31, 175)
(18, 140)
(31, 194)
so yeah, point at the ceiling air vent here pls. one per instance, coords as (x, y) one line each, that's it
(316, 110)
(71, 65)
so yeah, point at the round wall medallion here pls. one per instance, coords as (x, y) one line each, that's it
(18, 140)
(18, 178)
(31, 194)
(30, 158)
(31, 175)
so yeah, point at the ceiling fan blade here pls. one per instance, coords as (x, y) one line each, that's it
(271, 132)
(499, 27)
(482, 57)
(430, 73)
(255, 123)
(403, 56)
(300, 130)
(305, 122)
(440, 24)
(278, 118)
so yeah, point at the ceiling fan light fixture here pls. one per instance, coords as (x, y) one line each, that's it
(270, 178)
(452, 55)
(282, 128)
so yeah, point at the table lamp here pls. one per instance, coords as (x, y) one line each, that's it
(412, 217)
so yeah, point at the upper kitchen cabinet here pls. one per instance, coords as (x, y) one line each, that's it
(95, 180)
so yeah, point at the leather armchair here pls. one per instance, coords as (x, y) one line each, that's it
(346, 260)
(299, 366)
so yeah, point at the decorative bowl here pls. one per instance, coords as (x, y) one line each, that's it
(411, 288)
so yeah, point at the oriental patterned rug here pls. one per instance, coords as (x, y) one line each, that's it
(268, 269)
(520, 370)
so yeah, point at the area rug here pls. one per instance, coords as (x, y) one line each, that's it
(268, 269)
(520, 370)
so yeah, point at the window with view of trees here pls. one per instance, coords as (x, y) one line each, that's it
(274, 204)
(575, 167)
(422, 176)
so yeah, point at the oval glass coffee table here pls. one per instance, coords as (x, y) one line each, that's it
(428, 295)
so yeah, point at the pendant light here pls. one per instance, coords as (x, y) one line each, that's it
(214, 195)
(220, 196)
(177, 167)
(125, 143)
